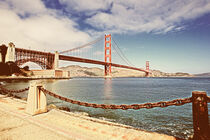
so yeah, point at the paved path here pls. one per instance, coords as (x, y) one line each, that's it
(15, 124)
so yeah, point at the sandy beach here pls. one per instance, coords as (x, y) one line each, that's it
(15, 124)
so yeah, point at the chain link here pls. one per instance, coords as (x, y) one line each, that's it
(208, 99)
(13, 91)
(176, 102)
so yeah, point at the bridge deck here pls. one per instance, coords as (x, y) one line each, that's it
(83, 60)
(77, 59)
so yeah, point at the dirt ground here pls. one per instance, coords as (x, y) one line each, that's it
(15, 124)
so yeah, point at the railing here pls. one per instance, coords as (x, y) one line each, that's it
(199, 102)
(13, 91)
(176, 102)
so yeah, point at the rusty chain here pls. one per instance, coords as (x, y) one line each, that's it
(13, 91)
(208, 99)
(176, 102)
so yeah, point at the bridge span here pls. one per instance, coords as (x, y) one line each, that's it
(48, 60)
(83, 60)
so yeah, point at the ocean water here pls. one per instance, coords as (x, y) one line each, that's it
(173, 120)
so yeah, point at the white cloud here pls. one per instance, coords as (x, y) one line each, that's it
(23, 7)
(90, 6)
(41, 30)
(148, 16)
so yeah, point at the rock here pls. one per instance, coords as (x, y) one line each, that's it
(82, 113)
(51, 106)
(25, 99)
(64, 108)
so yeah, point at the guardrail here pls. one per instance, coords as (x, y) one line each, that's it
(36, 104)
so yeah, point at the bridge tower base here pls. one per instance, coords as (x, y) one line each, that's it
(147, 68)
(10, 55)
(107, 56)
(56, 61)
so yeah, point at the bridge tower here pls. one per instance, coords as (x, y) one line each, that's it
(147, 68)
(10, 55)
(56, 59)
(147, 65)
(108, 55)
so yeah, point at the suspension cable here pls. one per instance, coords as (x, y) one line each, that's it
(83, 46)
(121, 54)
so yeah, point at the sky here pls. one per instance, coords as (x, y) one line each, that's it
(174, 35)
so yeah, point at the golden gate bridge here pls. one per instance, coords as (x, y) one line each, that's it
(102, 51)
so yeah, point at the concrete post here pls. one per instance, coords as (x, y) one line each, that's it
(10, 55)
(36, 101)
(56, 59)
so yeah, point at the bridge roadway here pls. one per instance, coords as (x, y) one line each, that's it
(84, 60)
(78, 59)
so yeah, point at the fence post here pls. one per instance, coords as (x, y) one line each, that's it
(36, 101)
(200, 116)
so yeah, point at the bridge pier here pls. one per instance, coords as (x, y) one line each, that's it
(107, 70)
(10, 55)
(56, 61)
(147, 69)
(36, 101)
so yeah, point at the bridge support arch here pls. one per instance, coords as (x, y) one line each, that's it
(108, 55)
(44, 59)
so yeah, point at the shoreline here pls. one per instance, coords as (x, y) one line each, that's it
(76, 125)
(32, 78)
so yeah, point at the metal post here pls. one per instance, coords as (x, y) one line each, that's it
(200, 116)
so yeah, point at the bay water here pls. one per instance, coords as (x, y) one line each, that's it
(172, 120)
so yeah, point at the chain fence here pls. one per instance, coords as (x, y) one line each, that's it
(162, 104)
(176, 102)
(13, 91)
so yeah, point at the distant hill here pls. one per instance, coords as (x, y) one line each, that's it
(78, 71)
(203, 75)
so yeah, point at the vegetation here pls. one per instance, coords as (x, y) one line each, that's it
(89, 73)
(9, 68)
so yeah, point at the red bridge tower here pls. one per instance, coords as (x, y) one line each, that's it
(108, 55)
(147, 68)
(147, 65)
